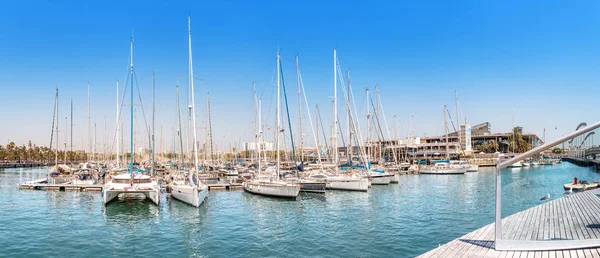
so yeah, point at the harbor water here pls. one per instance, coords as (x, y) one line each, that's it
(397, 220)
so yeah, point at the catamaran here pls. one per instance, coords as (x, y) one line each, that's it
(132, 184)
(189, 189)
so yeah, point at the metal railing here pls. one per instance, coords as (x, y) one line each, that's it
(536, 245)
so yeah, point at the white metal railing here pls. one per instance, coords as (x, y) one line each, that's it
(536, 245)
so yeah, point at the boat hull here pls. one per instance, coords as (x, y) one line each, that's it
(191, 195)
(395, 179)
(109, 195)
(273, 189)
(348, 184)
(313, 187)
(381, 180)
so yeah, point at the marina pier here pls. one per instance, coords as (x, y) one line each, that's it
(573, 217)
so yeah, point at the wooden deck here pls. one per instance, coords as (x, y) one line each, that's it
(575, 216)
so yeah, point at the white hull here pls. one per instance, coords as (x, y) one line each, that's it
(395, 179)
(120, 187)
(381, 179)
(274, 189)
(110, 195)
(348, 184)
(192, 195)
(473, 168)
(446, 171)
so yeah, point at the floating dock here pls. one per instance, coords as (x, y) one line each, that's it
(575, 216)
(61, 187)
(226, 186)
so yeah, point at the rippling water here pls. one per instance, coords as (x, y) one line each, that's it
(402, 220)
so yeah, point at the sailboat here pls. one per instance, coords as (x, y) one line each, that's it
(444, 168)
(131, 185)
(268, 185)
(186, 189)
(337, 181)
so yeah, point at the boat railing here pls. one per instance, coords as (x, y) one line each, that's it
(536, 245)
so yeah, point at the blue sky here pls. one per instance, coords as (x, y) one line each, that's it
(538, 58)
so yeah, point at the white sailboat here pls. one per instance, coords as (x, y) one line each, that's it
(130, 185)
(186, 189)
(444, 168)
(270, 186)
(337, 181)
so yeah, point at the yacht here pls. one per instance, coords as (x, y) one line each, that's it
(442, 168)
(343, 182)
(186, 190)
(122, 186)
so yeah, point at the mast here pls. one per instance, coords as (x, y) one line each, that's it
(259, 132)
(349, 116)
(317, 131)
(335, 114)
(255, 124)
(376, 116)
(118, 128)
(209, 127)
(446, 130)
(277, 130)
(71, 142)
(457, 121)
(131, 151)
(152, 147)
(89, 123)
(56, 152)
(66, 133)
(191, 82)
(179, 128)
(368, 126)
(300, 114)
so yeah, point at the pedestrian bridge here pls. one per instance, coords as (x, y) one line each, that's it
(593, 152)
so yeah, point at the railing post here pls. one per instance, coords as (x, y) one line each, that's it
(498, 225)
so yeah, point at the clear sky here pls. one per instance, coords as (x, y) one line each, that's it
(536, 61)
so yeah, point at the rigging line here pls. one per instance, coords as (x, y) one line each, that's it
(378, 126)
(53, 119)
(310, 118)
(137, 85)
(451, 122)
(289, 120)
(323, 129)
(363, 153)
(115, 138)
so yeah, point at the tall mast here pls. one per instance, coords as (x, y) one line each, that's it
(259, 132)
(349, 118)
(278, 129)
(89, 124)
(300, 114)
(446, 131)
(335, 114)
(118, 128)
(152, 148)
(131, 151)
(378, 126)
(317, 131)
(457, 121)
(368, 125)
(179, 128)
(255, 123)
(56, 152)
(191, 82)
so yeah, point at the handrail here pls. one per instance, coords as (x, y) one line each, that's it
(536, 245)
(546, 146)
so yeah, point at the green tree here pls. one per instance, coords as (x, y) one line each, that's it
(557, 150)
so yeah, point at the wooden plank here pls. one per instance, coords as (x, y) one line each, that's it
(564, 218)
